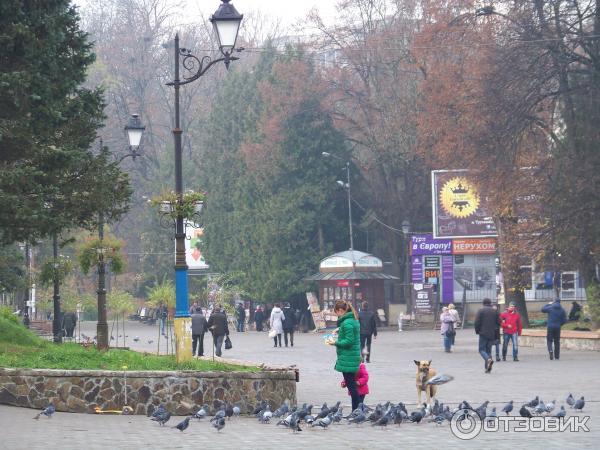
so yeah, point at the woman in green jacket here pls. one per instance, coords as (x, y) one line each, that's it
(347, 347)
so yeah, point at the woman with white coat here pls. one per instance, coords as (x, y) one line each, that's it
(276, 322)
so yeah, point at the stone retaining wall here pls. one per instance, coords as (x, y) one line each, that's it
(182, 392)
(569, 340)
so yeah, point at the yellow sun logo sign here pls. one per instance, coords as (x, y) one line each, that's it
(459, 197)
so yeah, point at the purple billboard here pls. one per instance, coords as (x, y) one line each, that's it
(425, 244)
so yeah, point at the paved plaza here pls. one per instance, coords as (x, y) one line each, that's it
(392, 372)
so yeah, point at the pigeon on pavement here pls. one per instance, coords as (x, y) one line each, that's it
(482, 410)
(562, 412)
(524, 412)
(540, 408)
(236, 411)
(202, 412)
(508, 408)
(219, 423)
(136, 339)
(533, 403)
(550, 406)
(579, 404)
(47, 411)
(183, 424)
(162, 418)
(570, 400)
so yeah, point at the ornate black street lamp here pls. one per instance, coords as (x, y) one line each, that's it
(135, 130)
(226, 22)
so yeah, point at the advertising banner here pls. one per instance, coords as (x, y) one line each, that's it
(423, 298)
(417, 269)
(193, 248)
(425, 244)
(474, 246)
(447, 279)
(458, 208)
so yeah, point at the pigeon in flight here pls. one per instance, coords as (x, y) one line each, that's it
(440, 379)
(136, 339)
(508, 408)
(47, 411)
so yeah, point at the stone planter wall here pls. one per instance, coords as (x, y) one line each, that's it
(181, 392)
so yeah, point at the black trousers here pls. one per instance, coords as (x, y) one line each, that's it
(553, 337)
(277, 338)
(352, 388)
(366, 339)
(285, 337)
(198, 342)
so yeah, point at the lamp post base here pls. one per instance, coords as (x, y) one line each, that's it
(183, 338)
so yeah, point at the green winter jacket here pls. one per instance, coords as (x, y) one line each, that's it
(348, 344)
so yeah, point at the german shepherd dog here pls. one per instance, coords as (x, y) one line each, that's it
(424, 374)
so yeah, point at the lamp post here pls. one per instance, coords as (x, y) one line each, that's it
(56, 321)
(347, 186)
(407, 292)
(226, 23)
(134, 129)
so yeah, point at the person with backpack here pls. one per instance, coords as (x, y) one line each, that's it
(447, 328)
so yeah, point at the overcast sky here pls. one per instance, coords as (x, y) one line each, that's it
(288, 11)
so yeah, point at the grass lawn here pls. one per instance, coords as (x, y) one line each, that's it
(21, 348)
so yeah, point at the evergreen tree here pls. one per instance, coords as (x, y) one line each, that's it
(49, 179)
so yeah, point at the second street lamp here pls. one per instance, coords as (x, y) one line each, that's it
(134, 129)
(347, 186)
(226, 22)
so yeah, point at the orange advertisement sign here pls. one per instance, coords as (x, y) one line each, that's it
(473, 246)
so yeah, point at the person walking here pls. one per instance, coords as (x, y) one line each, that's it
(193, 308)
(240, 313)
(511, 327)
(557, 317)
(217, 324)
(199, 325)
(368, 329)
(347, 347)
(289, 324)
(452, 310)
(487, 321)
(69, 321)
(259, 318)
(447, 328)
(162, 317)
(276, 323)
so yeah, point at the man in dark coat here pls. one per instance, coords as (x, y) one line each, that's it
(240, 313)
(69, 321)
(259, 317)
(557, 317)
(487, 321)
(368, 328)
(289, 323)
(199, 326)
(217, 324)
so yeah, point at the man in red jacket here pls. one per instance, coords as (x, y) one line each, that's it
(510, 320)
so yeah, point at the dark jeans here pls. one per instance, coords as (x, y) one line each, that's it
(366, 339)
(240, 325)
(218, 342)
(259, 326)
(198, 342)
(361, 399)
(277, 338)
(553, 337)
(352, 388)
(485, 348)
(285, 337)
(514, 338)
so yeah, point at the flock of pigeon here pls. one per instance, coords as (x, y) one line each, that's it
(381, 415)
